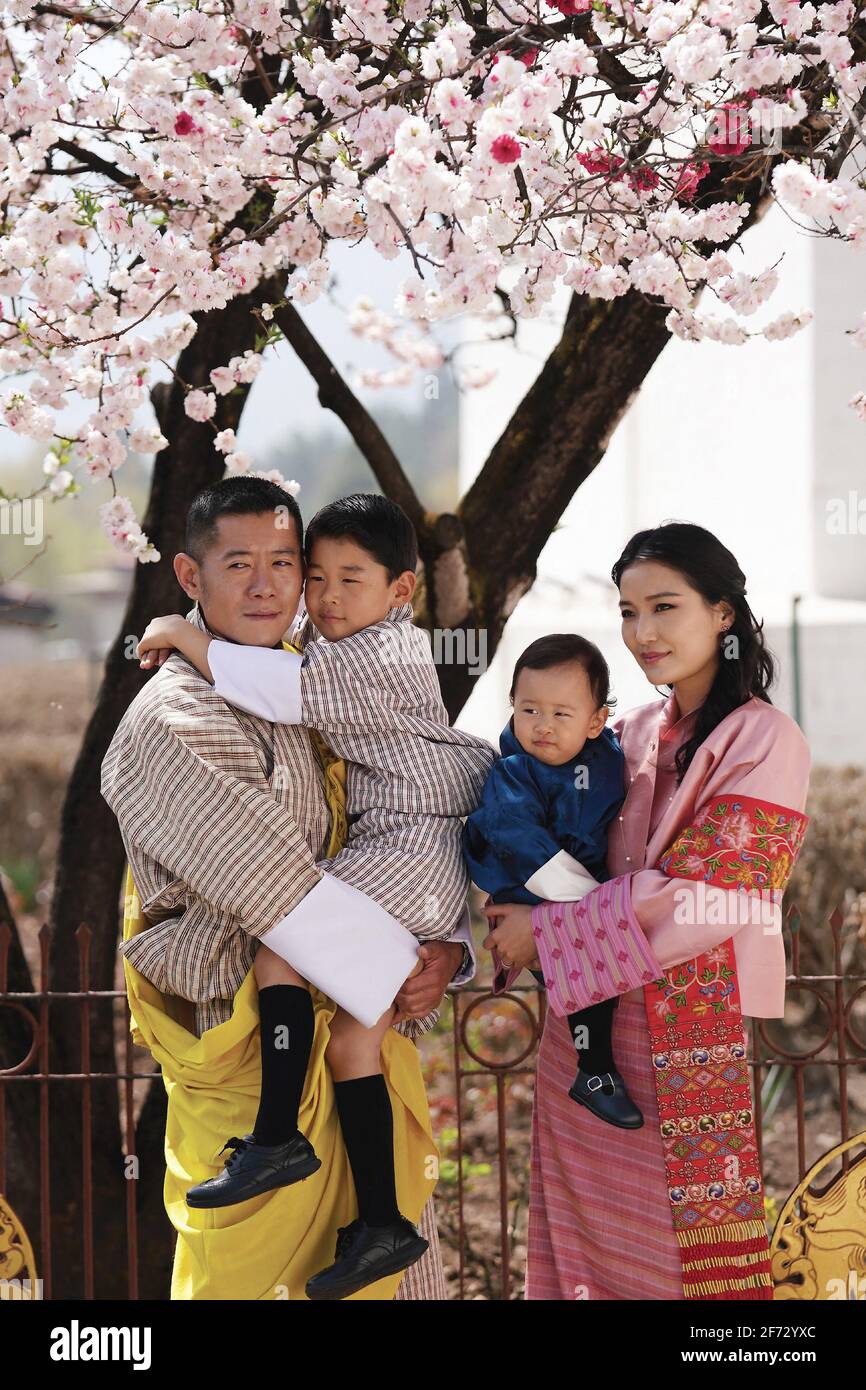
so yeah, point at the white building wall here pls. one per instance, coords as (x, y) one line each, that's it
(839, 437)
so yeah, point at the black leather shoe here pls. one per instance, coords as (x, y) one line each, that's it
(364, 1254)
(606, 1096)
(253, 1168)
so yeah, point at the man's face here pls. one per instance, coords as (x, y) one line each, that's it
(248, 583)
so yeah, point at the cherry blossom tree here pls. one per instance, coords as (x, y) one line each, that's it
(175, 177)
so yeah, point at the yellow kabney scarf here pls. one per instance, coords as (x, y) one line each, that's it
(268, 1246)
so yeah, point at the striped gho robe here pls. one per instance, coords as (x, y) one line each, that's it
(220, 844)
(223, 817)
(410, 776)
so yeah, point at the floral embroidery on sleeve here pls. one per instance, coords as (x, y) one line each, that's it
(738, 842)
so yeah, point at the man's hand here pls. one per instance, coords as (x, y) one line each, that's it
(424, 989)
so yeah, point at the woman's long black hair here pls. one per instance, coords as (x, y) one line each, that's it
(712, 570)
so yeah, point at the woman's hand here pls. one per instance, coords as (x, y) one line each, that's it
(511, 933)
(160, 640)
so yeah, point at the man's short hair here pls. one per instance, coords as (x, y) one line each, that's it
(239, 496)
(373, 522)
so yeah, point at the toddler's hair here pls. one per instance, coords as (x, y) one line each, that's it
(375, 523)
(560, 647)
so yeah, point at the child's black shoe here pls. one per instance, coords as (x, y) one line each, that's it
(255, 1168)
(364, 1255)
(606, 1096)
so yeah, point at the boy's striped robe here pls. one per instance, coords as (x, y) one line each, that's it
(410, 776)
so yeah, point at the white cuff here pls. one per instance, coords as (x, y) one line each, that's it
(463, 935)
(347, 946)
(261, 680)
(562, 879)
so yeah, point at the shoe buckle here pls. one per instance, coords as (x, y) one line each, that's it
(600, 1079)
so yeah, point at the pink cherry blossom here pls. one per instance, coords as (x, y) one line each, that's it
(120, 524)
(858, 404)
(486, 155)
(731, 131)
(200, 405)
(505, 149)
(690, 176)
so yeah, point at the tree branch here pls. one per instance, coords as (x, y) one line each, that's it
(335, 394)
(76, 16)
(97, 164)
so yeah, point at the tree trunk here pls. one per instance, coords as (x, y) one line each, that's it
(17, 1036)
(480, 562)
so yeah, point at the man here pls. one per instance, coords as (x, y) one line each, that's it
(223, 815)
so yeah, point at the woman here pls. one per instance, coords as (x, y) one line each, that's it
(687, 934)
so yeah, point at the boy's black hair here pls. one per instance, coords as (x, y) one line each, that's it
(375, 523)
(559, 648)
(238, 496)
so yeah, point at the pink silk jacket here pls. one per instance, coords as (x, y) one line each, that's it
(625, 932)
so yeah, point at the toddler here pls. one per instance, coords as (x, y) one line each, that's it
(540, 832)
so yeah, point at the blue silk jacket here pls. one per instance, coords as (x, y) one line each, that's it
(529, 811)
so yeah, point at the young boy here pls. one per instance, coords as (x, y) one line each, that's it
(369, 685)
(540, 831)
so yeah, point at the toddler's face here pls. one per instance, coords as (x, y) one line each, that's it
(347, 590)
(555, 713)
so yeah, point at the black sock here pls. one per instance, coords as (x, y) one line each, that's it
(597, 1056)
(286, 1014)
(367, 1122)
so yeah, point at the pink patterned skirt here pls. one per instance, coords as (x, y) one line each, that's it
(599, 1217)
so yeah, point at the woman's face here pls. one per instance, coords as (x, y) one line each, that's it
(670, 629)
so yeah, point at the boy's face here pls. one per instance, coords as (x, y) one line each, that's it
(347, 590)
(555, 712)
